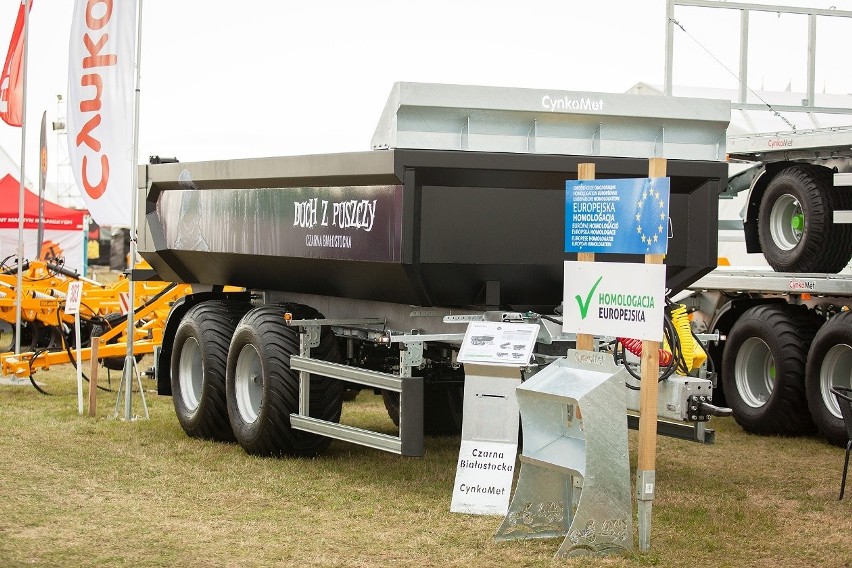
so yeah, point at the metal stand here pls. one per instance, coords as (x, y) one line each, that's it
(575, 471)
(129, 360)
(126, 383)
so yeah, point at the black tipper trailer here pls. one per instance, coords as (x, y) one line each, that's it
(362, 269)
(451, 232)
(446, 223)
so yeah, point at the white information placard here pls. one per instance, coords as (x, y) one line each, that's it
(72, 300)
(498, 343)
(489, 445)
(72, 306)
(484, 478)
(614, 299)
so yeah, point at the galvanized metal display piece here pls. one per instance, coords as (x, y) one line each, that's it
(574, 479)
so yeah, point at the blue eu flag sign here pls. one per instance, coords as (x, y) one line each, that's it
(625, 216)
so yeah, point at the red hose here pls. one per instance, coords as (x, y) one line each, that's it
(635, 347)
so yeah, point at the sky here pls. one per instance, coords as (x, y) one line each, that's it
(222, 80)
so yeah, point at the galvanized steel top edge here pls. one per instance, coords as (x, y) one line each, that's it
(429, 115)
(522, 99)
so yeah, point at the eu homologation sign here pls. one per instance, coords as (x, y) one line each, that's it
(626, 216)
(614, 299)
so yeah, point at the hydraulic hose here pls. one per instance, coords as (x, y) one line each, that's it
(668, 360)
(635, 347)
(682, 327)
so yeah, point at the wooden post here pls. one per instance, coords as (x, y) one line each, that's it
(93, 376)
(585, 341)
(646, 462)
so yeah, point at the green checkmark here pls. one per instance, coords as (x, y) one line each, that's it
(584, 306)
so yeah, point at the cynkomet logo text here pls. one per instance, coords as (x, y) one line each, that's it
(566, 103)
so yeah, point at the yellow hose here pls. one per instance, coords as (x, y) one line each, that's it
(693, 354)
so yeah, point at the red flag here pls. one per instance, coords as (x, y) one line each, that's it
(12, 79)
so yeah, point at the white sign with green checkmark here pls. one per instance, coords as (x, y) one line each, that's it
(614, 299)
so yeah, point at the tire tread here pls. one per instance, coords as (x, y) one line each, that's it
(273, 435)
(826, 246)
(836, 331)
(790, 329)
(212, 323)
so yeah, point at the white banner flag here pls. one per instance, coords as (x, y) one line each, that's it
(100, 106)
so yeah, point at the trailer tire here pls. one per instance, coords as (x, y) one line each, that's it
(199, 356)
(442, 409)
(262, 390)
(763, 369)
(795, 222)
(830, 365)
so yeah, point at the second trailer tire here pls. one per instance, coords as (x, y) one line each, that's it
(795, 222)
(442, 408)
(198, 361)
(763, 369)
(830, 365)
(263, 390)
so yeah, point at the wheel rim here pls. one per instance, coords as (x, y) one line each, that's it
(755, 372)
(786, 222)
(835, 371)
(190, 374)
(248, 383)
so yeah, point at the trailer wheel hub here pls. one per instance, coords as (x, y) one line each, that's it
(755, 372)
(190, 374)
(798, 222)
(786, 222)
(837, 363)
(248, 383)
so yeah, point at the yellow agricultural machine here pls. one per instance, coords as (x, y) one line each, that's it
(47, 336)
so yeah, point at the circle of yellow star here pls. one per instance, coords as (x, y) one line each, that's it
(658, 203)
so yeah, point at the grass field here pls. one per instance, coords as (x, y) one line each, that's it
(77, 491)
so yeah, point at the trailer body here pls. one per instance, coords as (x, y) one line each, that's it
(363, 269)
(419, 227)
